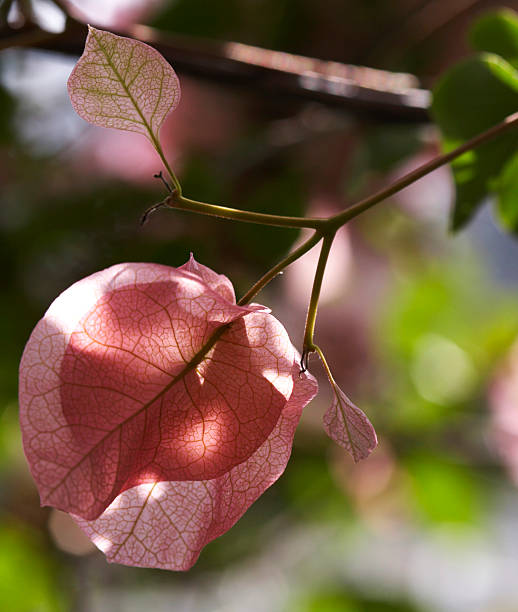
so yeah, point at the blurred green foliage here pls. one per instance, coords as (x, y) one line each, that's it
(337, 601)
(445, 491)
(507, 192)
(497, 32)
(472, 97)
(29, 579)
(434, 361)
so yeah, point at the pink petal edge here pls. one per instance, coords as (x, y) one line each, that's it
(165, 525)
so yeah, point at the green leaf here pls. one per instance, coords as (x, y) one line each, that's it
(507, 190)
(124, 84)
(470, 98)
(497, 32)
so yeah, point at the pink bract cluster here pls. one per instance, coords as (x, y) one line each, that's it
(155, 437)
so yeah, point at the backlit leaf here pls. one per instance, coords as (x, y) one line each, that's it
(507, 191)
(473, 96)
(497, 32)
(118, 388)
(348, 426)
(124, 84)
(166, 524)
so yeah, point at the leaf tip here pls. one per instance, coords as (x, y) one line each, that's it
(191, 265)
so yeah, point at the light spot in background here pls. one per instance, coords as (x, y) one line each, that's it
(463, 570)
(48, 16)
(15, 18)
(114, 13)
(431, 197)
(124, 155)
(67, 534)
(298, 278)
(441, 371)
(45, 119)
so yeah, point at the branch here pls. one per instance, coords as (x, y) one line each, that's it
(353, 211)
(378, 94)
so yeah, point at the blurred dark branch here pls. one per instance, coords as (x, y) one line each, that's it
(380, 95)
(432, 17)
(413, 27)
(387, 36)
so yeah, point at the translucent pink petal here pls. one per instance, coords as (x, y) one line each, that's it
(166, 524)
(112, 395)
(217, 282)
(348, 426)
(124, 84)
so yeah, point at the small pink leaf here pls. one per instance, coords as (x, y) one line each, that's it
(124, 84)
(348, 426)
(166, 524)
(114, 392)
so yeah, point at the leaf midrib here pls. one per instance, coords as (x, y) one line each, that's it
(152, 136)
(196, 360)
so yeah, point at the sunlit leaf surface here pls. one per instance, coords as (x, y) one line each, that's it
(166, 524)
(124, 84)
(118, 387)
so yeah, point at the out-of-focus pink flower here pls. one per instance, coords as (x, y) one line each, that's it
(116, 14)
(503, 400)
(431, 197)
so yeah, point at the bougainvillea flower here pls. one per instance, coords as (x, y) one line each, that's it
(166, 524)
(147, 396)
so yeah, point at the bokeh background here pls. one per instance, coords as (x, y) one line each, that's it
(419, 326)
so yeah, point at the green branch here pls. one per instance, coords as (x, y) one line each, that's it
(342, 218)
(325, 228)
(181, 203)
(309, 347)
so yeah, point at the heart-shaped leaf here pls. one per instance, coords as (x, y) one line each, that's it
(166, 524)
(135, 376)
(124, 84)
(348, 426)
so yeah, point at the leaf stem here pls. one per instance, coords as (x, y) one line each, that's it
(172, 175)
(318, 351)
(309, 346)
(342, 218)
(325, 228)
(273, 272)
(182, 203)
